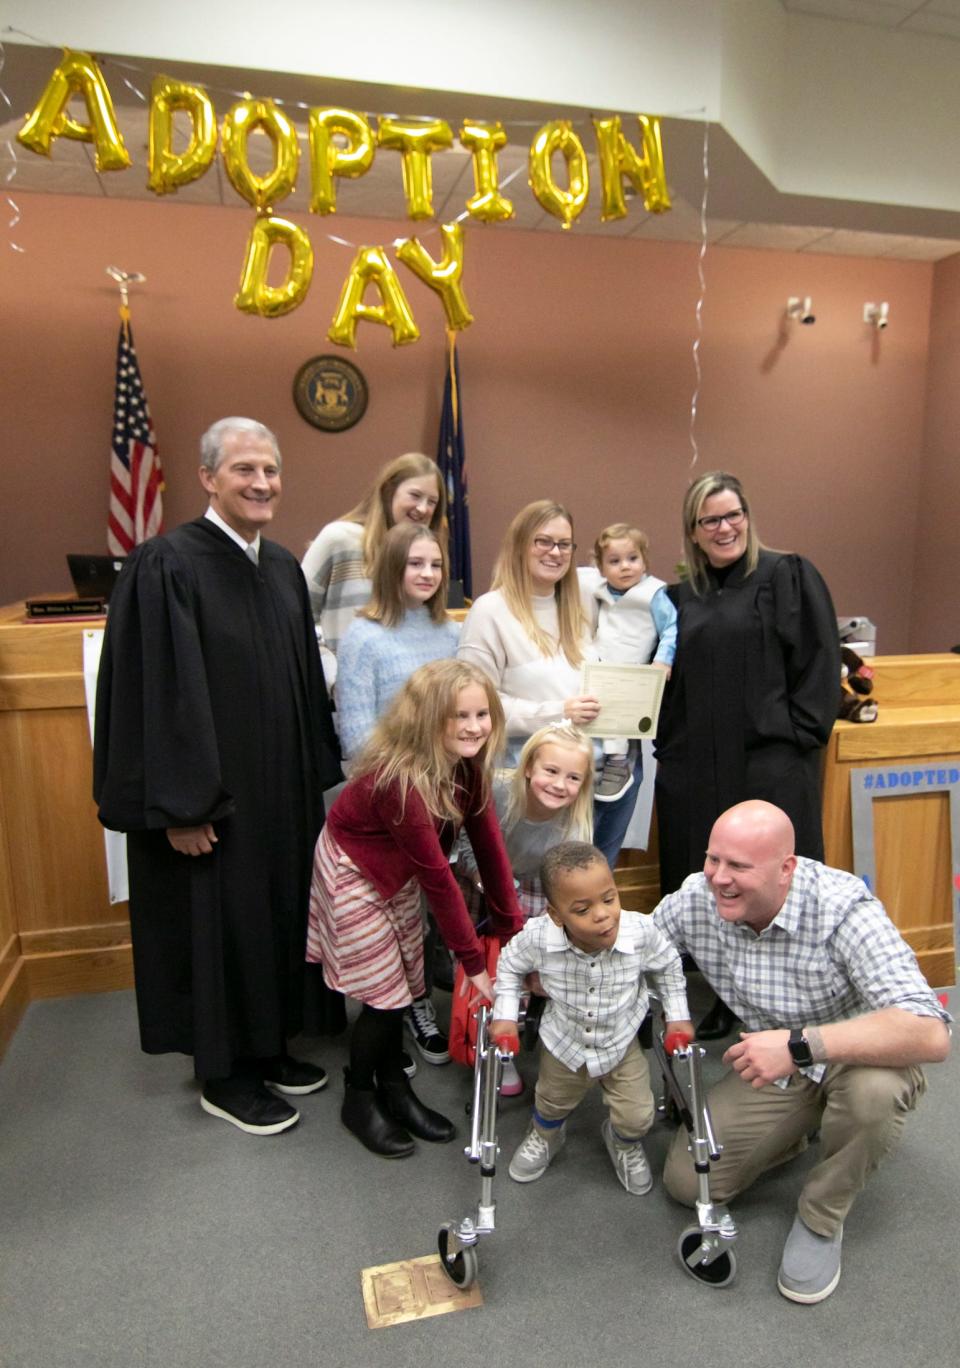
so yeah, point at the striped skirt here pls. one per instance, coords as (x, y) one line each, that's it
(371, 947)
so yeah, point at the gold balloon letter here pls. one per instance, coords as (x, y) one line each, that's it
(77, 74)
(328, 160)
(416, 142)
(483, 140)
(238, 123)
(442, 276)
(645, 168)
(371, 267)
(168, 169)
(558, 136)
(255, 295)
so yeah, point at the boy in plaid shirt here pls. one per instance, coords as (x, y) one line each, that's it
(591, 960)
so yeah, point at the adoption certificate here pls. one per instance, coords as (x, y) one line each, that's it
(629, 695)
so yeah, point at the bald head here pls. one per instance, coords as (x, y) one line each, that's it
(750, 863)
(765, 828)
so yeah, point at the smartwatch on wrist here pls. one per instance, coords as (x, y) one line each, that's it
(799, 1047)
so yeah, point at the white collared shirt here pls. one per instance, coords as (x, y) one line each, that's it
(216, 519)
(596, 1001)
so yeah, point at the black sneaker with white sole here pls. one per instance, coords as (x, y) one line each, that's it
(248, 1105)
(294, 1077)
(421, 1022)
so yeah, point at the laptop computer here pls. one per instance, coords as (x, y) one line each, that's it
(94, 576)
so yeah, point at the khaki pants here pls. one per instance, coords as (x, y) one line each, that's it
(860, 1112)
(626, 1091)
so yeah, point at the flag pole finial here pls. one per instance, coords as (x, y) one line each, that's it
(124, 280)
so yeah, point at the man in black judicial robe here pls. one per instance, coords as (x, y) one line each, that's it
(213, 746)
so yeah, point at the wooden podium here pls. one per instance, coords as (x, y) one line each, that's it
(58, 932)
(906, 769)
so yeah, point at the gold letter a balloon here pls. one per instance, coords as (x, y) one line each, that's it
(77, 74)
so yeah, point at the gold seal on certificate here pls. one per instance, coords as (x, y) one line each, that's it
(629, 697)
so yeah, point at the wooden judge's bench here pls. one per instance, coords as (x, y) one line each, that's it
(60, 935)
(900, 775)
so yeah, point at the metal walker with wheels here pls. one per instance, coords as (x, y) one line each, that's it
(457, 1240)
(705, 1250)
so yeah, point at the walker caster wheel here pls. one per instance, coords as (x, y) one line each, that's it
(720, 1273)
(462, 1268)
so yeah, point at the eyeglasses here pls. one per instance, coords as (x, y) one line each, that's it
(733, 519)
(548, 543)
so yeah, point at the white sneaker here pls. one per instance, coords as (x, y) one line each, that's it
(535, 1153)
(629, 1161)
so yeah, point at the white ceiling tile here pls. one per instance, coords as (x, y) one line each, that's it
(774, 236)
(843, 242)
(924, 249)
(887, 13)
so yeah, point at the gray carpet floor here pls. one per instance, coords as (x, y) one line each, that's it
(137, 1232)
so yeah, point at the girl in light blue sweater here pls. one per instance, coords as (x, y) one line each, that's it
(404, 626)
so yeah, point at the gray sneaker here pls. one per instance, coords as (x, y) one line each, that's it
(614, 779)
(629, 1161)
(810, 1267)
(535, 1153)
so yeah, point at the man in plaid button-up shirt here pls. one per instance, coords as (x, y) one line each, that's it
(838, 1018)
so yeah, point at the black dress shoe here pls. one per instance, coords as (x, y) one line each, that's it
(293, 1076)
(247, 1104)
(718, 1022)
(404, 1106)
(364, 1113)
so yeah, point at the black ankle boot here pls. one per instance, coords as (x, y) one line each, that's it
(365, 1115)
(717, 1023)
(402, 1103)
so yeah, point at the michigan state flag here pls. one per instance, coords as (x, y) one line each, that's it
(453, 469)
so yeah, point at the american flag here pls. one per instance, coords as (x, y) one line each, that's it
(136, 478)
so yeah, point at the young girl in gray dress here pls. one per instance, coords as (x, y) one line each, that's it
(547, 799)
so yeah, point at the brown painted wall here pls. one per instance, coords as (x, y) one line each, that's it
(936, 615)
(577, 381)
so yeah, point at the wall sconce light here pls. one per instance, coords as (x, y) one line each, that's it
(877, 315)
(801, 309)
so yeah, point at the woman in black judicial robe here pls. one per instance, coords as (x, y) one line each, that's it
(753, 693)
(211, 707)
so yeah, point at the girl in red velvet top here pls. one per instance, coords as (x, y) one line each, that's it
(423, 775)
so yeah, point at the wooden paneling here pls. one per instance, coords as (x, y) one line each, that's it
(69, 972)
(14, 999)
(902, 681)
(916, 732)
(918, 729)
(103, 937)
(59, 932)
(57, 863)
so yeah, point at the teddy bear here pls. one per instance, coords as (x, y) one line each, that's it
(856, 684)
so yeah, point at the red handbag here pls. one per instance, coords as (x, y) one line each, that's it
(463, 1012)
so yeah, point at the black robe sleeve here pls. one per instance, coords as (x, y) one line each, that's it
(807, 627)
(156, 762)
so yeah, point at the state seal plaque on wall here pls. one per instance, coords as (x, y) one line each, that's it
(330, 393)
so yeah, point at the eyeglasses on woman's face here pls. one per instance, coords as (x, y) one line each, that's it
(563, 544)
(733, 519)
